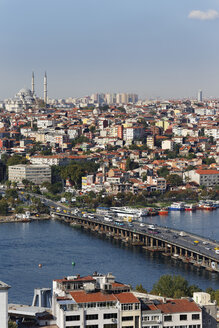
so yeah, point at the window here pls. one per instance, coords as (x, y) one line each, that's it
(183, 317)
(127, 318)
(110, 316)
(127, 307)
(110, 325)
(195, 316)
(168, 318)
(72, 318)
(92, 317)
(91, 326)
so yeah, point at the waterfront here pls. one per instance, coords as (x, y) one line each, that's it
(56, 245)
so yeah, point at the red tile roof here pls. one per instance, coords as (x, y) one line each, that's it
(127, 298)
(207, 172)
(177, 306)
(87, 278)
(83, 297)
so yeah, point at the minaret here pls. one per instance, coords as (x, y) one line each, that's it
(45, 88)
(33, 91)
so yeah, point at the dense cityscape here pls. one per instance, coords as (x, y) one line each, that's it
(116, 159)
(109, 164)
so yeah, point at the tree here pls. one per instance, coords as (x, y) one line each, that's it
(3, 207)
(144, 177)
(140, 289)
(163, 172)
(16, 159)
(11, 193)
(171, 286)
(131, 165)
(92, 128)
(174, 180)
(12, 324)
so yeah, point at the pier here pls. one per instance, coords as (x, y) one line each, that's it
(179, 245)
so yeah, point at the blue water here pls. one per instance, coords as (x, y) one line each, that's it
(54, 244)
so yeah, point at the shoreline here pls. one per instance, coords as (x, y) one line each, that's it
(13, 219)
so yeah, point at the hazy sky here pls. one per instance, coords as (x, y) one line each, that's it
(167, 48)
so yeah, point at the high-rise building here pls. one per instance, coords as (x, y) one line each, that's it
(200, 95)
(45, 88)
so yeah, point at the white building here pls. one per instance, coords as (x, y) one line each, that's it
(4, 304)
(94, 301)
(34, 173)
(209, 309)
(167, 144)
(208, 178)
(171, 313)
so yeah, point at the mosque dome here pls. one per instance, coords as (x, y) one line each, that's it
(24, 92)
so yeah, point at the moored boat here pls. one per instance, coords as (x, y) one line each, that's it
(190, 207)
(177, 206)
(163, 211)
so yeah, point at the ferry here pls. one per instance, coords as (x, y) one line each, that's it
(190, 207)
(177, 206)
(129, 214)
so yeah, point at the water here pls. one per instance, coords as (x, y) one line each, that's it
(54, 244)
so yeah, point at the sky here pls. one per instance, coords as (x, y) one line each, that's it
(155, 48)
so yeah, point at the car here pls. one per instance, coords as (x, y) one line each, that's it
(175, 236)
(208, 248)
(205, 242)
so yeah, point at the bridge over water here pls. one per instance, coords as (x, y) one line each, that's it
(181, 246)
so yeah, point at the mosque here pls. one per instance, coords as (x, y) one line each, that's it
(25, 98)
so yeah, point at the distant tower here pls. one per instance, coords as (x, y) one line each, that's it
(33, 86)
(45, 88)
(200, 96)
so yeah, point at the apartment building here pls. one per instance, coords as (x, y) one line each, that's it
(94, 301)
(208, 178)
(34, 173)
(176, 313)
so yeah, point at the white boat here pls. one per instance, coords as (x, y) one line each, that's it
(129, 214)
(177, 206)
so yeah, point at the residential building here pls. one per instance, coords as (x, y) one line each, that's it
(177, 313)
(208, 178)
(209, 309)
(94, 301)
(150, 142)
(34, 173)
(167, 145)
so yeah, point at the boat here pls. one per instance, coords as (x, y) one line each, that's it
(206, 205)
(129, 214)
(163, 211)
(190, 207)
(177, 206)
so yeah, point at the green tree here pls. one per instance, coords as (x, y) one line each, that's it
(92, 128)
(171, 286)
(16, 159)
(163, 172)
(12, 324)
(3, 207)
(131, 165)
(139, 288)
(11, 193)
(174, 180)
